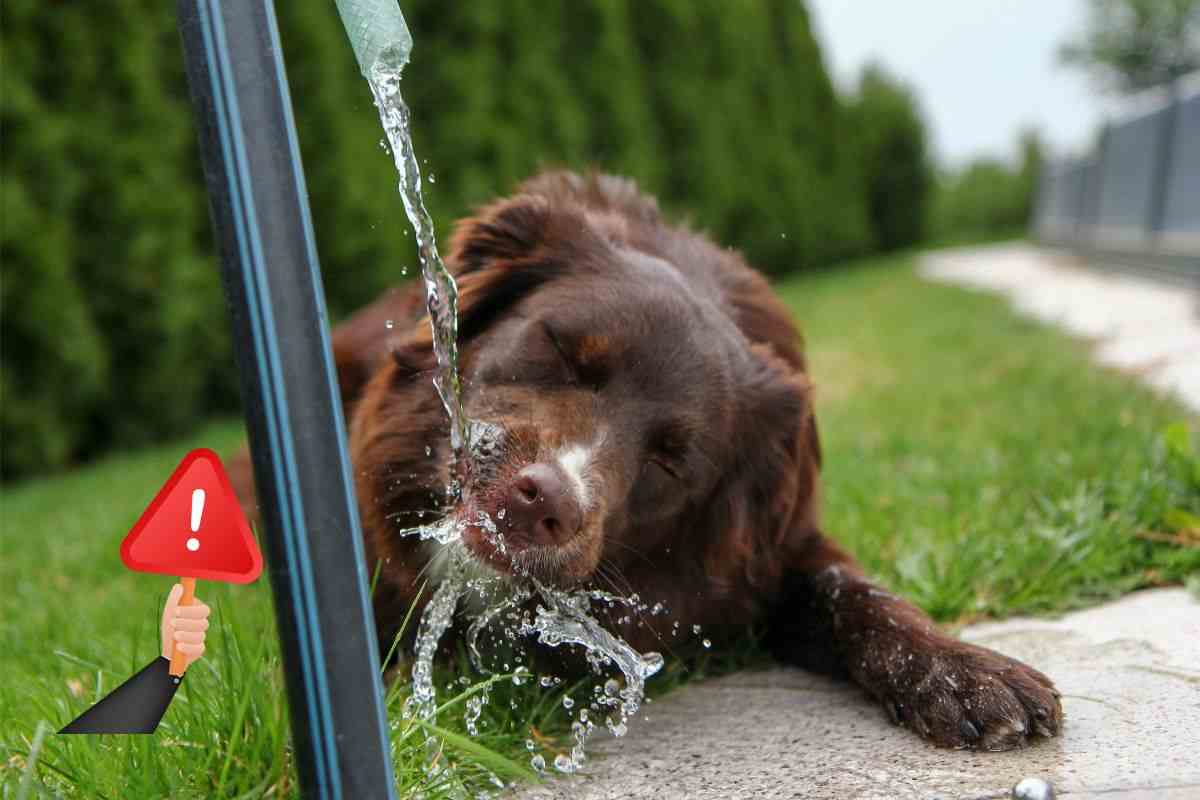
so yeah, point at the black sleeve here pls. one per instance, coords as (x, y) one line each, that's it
(135, 706)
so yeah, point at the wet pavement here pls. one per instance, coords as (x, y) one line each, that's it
(1129, 672)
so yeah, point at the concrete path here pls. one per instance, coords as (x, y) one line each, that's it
(1130, 677)
(1148, 328)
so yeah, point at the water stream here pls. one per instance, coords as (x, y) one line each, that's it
(441, 293)
(515, 612)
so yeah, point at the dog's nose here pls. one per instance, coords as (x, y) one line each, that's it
(541, 508)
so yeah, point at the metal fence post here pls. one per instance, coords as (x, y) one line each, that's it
(1164, 149)
(272, 282)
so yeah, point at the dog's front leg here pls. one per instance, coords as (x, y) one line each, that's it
(831, 617)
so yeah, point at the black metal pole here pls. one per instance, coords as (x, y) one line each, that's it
(297, 435)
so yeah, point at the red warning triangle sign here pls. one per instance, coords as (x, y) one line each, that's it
(194, 527)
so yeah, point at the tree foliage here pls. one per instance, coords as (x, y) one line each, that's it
(114, 330)
(1134, 44)
(989, 197)
(892, 159)
(112, 315)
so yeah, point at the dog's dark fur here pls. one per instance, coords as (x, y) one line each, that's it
(588, 322)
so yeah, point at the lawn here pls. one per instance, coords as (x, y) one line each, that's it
(974, 460)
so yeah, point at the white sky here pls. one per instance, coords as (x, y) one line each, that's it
(982, 69)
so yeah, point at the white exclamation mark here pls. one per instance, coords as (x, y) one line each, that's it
(193, 543)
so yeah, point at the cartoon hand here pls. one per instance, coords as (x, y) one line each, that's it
(185, 625)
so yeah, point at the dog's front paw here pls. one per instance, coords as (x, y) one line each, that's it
(959, 695)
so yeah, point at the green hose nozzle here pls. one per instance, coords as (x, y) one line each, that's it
(377, 33)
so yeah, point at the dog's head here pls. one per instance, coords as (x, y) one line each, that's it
(627, 410)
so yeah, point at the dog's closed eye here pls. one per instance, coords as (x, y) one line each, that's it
(667, 450)
(564, 356)
(583, 359)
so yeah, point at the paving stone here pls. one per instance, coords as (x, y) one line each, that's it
(1130, 676)
(1148, 328)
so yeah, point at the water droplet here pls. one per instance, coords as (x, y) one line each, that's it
(707, 644)
(538, 763)
(568, 703)
(471, 717)
(389, 324)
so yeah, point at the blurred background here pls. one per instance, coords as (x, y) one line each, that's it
(805, 134)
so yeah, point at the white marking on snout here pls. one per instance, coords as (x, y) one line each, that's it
(574, 461)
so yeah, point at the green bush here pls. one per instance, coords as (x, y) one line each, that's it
(114, 329)
(892, 158)
(989, 198)
(113, 325)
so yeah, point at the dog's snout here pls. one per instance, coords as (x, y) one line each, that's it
(541, 508)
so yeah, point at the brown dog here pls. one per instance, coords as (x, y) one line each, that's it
(656, 435)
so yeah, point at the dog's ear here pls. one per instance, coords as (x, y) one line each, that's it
(512, 247)
(361, 342)
(771, 491)
(785, 470)
(500, 255)
(776, 396)
(509, 230)
(352, 374)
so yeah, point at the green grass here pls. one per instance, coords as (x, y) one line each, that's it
(974, 460)
(977, 462)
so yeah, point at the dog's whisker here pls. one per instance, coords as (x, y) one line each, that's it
(606, 569)
(612, 574)
(632, 549)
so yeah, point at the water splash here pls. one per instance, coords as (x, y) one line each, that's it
(557, 618)
(435, 621)
(566, 618)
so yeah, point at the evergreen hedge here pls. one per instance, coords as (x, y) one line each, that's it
(892, 159)
(989, 198)
(114, 329)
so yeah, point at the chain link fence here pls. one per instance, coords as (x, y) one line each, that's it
(1135, 200)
